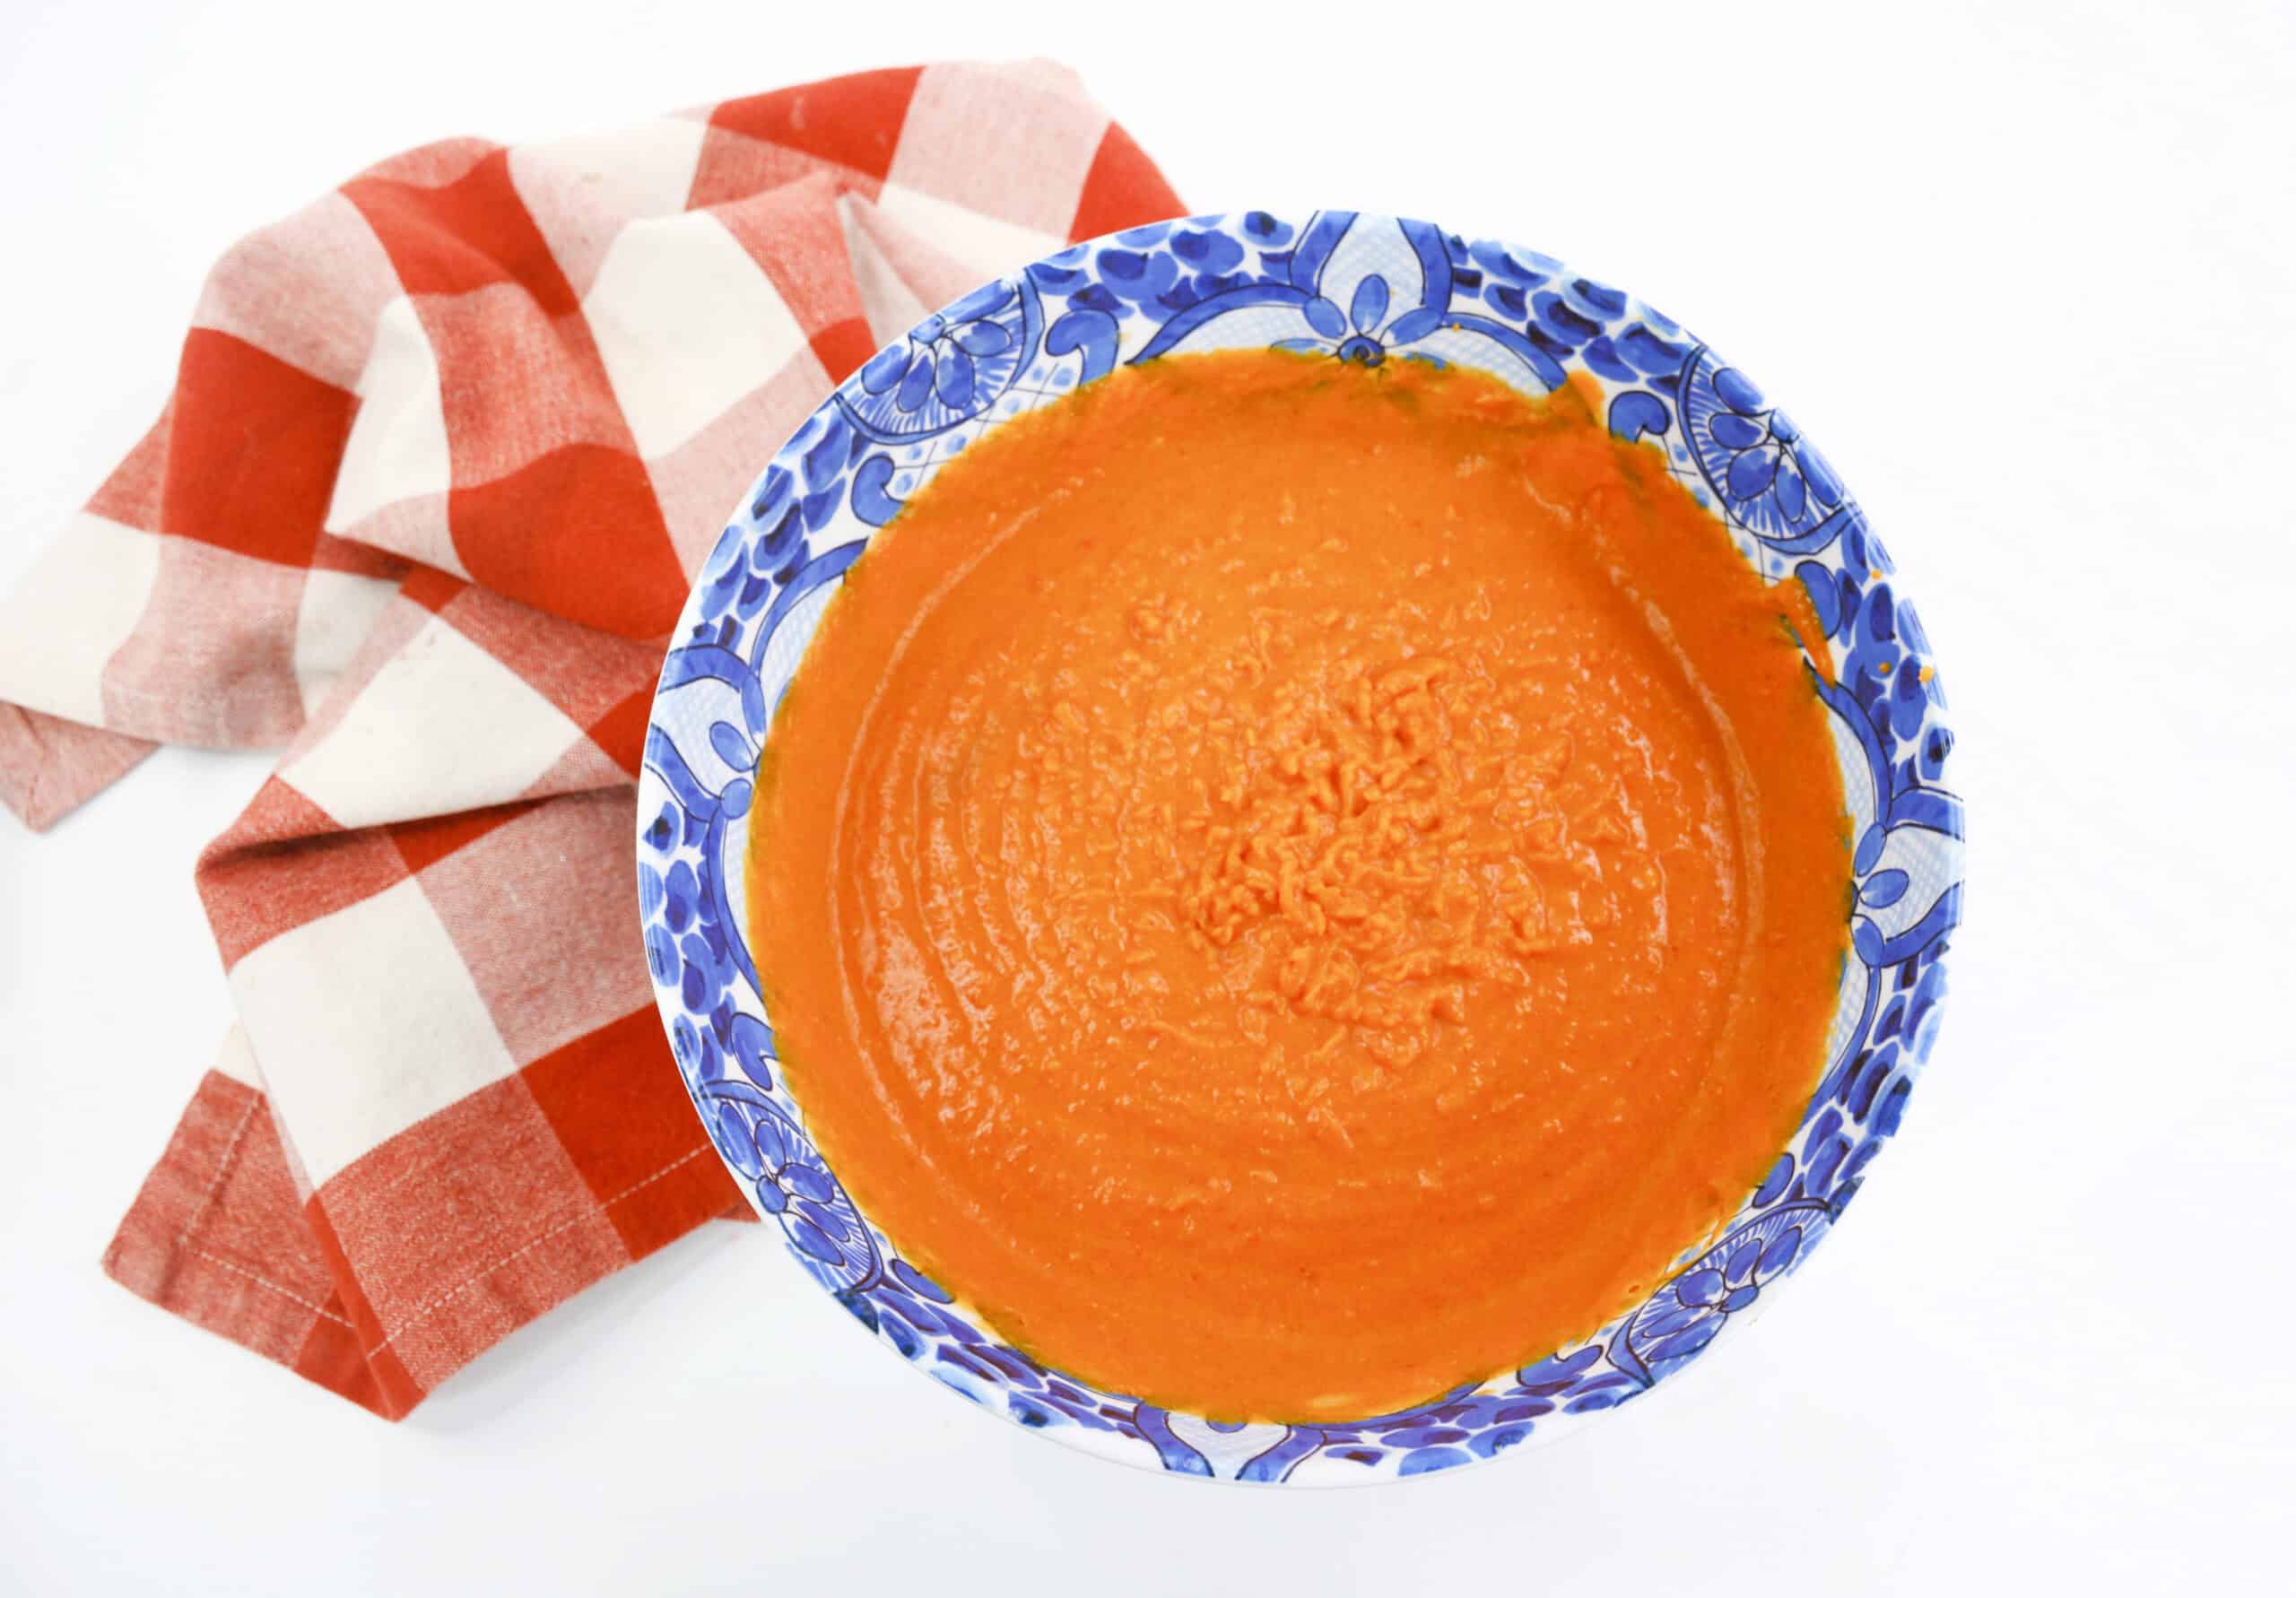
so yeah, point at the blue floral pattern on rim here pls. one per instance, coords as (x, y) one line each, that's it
(1367, 290)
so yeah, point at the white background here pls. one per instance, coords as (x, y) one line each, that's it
(2025, 271)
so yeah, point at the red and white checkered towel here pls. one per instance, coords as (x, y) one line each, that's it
(444, 451)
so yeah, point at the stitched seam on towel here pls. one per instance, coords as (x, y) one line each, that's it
(215, 1182)
(420, 1315)
(321, 1310)
(208, 1197)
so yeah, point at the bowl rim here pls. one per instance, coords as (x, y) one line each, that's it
(1219, 281)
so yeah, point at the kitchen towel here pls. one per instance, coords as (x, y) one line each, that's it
(445, 450)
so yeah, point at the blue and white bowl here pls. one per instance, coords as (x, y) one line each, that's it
(1365, 289)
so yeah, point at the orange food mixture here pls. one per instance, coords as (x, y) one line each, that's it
(1290, 888)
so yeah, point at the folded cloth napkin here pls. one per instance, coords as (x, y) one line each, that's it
(444, 451)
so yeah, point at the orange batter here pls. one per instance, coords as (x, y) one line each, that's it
(1289, 887)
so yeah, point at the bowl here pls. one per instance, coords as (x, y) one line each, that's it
(1353, 287)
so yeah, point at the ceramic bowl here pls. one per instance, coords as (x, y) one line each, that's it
(1350, 287)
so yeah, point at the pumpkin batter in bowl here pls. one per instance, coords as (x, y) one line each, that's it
(1292, 886)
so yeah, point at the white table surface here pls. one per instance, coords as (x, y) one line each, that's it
(2024, 270)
